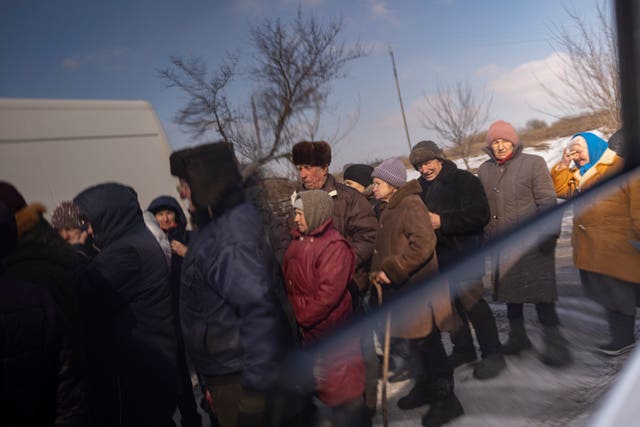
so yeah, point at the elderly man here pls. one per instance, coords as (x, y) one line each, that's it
(459, 210)
(354, 219)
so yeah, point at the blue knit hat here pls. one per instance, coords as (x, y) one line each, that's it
(392, 171)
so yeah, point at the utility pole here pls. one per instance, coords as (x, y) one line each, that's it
(404, 117)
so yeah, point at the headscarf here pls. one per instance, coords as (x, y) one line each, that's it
(596, 147)
(317, 206)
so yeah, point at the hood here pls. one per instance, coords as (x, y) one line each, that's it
(168, 203)
(112, 209)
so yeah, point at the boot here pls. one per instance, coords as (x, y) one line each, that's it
(446, 405)
(622, 331)
(556, 352)
(463, 349)
(421, 394)
(489, 366)
(518, 339)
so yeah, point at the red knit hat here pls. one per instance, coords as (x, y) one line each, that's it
(502, 130)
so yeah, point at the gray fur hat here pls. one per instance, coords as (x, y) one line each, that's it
(424, 151)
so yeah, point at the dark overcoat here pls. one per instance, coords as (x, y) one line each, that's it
(517, 191)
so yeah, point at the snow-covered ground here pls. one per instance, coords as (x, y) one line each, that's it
(528, 393)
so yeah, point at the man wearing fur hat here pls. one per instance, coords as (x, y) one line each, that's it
(353, 216)
(231, 320)
(459, 210)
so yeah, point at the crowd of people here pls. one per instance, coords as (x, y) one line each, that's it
(109, 312)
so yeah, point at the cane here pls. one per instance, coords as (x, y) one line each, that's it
(385, 359)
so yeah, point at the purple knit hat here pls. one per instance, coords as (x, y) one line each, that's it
(392, 171)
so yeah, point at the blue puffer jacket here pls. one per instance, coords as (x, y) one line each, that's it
(131, 334)
(230, 318)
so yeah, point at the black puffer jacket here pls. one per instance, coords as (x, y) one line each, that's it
(126, 295)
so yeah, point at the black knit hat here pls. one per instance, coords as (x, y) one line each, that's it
(424, 151)
(314, 153)
(359, 173)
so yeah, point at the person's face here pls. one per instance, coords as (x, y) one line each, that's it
(312, 177)
(501, 148)
(166, 219)
(74, 236)
(580, 153)
(185, 193)
(355, 185)
(382, 190)
(299, 221)
(430, 169)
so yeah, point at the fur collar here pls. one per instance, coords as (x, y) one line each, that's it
(607, 160)
(28, 217)
(411, 187)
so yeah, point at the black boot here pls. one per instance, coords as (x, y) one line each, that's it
(518, 339)
(484, 323)
(556, 352)
(622, 331)
(421, 394)
(446, 405)
(463, 349)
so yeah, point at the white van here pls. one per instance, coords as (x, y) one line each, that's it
(50, 150)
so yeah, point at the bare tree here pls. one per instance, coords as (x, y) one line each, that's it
(590, 73)
(292, 66)
(456, 114)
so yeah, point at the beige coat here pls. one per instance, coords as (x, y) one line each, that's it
(405, 251)
(603, 227)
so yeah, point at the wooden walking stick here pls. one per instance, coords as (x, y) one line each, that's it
(385, 359)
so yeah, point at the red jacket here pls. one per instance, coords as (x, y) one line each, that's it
(317, 268)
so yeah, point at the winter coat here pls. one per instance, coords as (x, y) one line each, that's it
(517, 191)
(459, 198)
(40, 379)
(354, 218)
(43, 258)
(179, 233)
(405, 250)
(604, 227)
(132, 342)
(230, 318)
(317, 269)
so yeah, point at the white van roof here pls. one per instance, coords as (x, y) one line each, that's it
(53, 149)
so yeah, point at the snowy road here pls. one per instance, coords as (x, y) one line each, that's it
(528, 393)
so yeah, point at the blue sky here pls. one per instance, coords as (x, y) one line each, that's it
(113, 49)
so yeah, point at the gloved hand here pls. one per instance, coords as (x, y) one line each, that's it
(251, 408)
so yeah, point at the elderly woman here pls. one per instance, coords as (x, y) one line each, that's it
(318, 266)
(405, 255)
(172, 221)
(518, 187)
(604, 229)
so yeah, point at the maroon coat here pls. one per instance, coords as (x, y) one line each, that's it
(317, 268)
